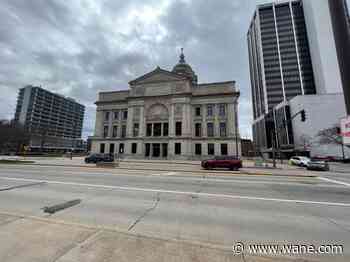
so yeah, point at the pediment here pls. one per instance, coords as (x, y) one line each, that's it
(157, 76)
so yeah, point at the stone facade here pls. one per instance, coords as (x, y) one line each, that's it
(167, 115)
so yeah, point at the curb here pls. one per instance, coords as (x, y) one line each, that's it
(221, 172)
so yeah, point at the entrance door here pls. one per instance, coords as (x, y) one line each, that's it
(111, 148)
(156, 150)
(148, 150)
(165, 150)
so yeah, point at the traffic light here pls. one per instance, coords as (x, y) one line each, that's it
(303, 116)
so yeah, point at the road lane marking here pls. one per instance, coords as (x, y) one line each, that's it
(140, 189)
(166, 174)
(8, 188)
(334, 181)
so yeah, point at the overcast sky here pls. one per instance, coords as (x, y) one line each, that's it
(80, 47)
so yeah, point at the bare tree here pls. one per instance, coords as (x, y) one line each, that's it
(332, 136)
(13, 136)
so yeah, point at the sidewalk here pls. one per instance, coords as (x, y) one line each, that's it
(178, 166)
(28, 239)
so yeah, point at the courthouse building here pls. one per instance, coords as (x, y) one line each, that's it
(168, 115)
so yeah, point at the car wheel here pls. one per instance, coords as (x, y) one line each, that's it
(206, 166)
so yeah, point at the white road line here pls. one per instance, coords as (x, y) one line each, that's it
(334, 181)
(181, 192)
(164, 174)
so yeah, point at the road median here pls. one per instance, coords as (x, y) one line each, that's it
(194, 169)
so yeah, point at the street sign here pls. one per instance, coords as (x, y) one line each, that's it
(345, 130)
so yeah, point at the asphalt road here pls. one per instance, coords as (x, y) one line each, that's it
(216, 210)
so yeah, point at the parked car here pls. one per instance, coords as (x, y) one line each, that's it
(299, 161)
(96, 158)
(317, 165)
(230, 162)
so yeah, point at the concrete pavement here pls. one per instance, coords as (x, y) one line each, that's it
(31, 239)
(177, 212)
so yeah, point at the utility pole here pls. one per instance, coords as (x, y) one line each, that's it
(273, 148)
(236, 129)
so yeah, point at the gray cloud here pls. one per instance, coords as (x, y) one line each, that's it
(81, 47)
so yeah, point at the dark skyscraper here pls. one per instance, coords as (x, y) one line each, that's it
(280, 61)
(341, 27)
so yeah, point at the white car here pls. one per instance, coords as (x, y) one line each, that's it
(300, 161)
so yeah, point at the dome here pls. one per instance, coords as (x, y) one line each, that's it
(184, 69)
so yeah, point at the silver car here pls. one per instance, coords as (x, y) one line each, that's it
(317, 165)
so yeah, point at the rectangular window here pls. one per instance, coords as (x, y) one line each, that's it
(210, 129)
(157, 131)
(123, 131)
(165, 129)
(121, 148)
(222, 129)
(178, 129)
(211, 149)
(116, 115)
(147, 150)
(198, 111)
(177, 148)
(210, 111)
(134, 148)
(105, 131)
(198, 129)
(115, 131)
(106, 116)
(102, 148)
(224, 149)
(136, 130)
(125, 114)
(198, 149)
(222, 110)
(149, 130)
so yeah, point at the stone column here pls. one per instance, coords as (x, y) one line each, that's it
(230, 125)
(110, 125)
(129, 125)
(99, 124)
(216, 121)
(186, 120)
(142, 125)
(172, 121)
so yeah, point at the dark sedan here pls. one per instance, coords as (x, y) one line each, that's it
(96, 158)
(231, 162)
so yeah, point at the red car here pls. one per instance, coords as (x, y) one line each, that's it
(230, 162)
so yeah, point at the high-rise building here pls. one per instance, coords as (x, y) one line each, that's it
(341, 27)
(292, 52)
(280, 61)
(54, 121)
